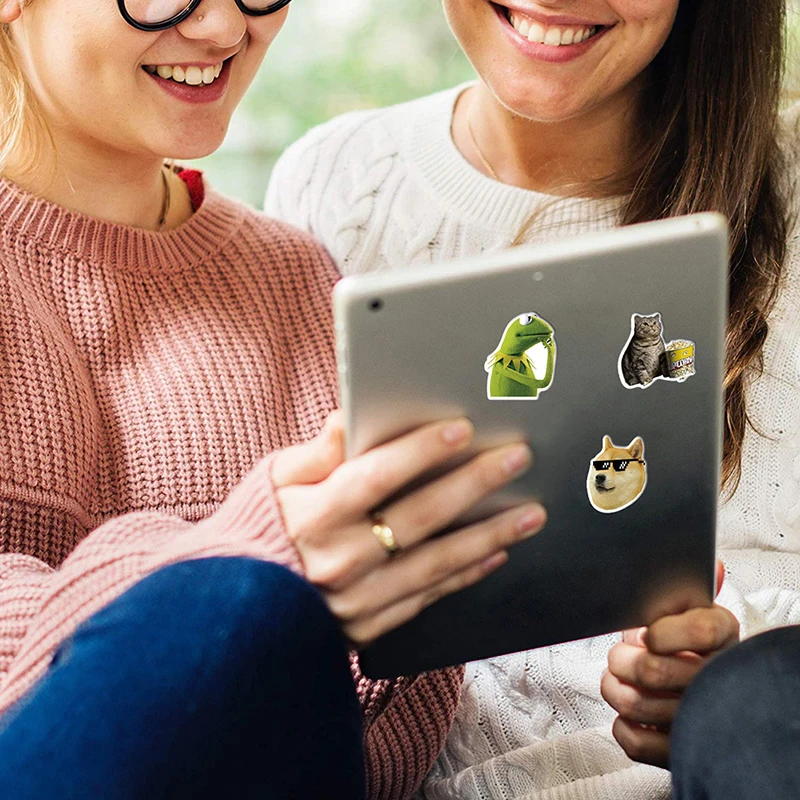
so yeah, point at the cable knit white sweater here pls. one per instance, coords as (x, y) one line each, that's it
(385, 189)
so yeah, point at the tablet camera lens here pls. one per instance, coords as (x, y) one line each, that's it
(376, 304)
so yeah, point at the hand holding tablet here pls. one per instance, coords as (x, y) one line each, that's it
(374, 583)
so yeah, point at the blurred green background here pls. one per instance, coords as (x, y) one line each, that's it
(337, 55)
(333, 56)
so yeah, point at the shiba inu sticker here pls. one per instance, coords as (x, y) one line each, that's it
(645, 358)
(524, 362)
(617, 476)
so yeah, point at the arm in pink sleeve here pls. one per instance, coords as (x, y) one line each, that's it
(41, 607)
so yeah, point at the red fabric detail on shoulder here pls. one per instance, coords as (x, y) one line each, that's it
(193, 178)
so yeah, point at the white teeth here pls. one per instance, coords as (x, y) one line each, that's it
(553, 37)
(536, 33)
(583, 34)
(193, 76)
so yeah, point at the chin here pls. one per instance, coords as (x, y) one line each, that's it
(537, 100)
(195, 147)
(190, 154)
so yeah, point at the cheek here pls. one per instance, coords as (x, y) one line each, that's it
(650, 22)
(74, 67)
(645, 9)
(95, 88)
(467, 19)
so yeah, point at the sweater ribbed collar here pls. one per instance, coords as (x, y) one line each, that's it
(487, 202)
(24, 216)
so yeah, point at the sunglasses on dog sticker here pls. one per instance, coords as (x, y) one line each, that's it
(619, 464)
(611, 491)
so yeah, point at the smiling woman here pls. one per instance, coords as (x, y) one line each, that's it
(185, 556)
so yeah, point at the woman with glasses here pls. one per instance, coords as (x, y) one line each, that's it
(587, 114)
(167, 474)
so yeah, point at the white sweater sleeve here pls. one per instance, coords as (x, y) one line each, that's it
(759, 527)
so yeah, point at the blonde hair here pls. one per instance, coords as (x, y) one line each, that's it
(22, 124)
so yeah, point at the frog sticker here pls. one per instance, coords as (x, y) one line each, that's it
(524, 362)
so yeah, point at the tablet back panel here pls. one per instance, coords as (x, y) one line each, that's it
(412, 349)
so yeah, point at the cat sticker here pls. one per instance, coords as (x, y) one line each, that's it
(523, 363)
(646, 358)
(617, 476)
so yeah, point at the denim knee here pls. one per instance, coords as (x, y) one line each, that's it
(222, 594)
(735, 734)
(737, 695)
(742, 674)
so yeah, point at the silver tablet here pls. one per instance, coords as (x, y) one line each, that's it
(606, 353)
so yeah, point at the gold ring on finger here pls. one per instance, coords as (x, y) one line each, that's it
(384, 534)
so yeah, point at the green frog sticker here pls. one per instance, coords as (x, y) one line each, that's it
(510, 366)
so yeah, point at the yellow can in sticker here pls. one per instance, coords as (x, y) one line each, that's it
(680, 359)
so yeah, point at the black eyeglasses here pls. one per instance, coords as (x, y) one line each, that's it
(158, 15)
(619, 464)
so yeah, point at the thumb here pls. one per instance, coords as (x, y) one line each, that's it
(635, 636)
(312, 461)
(720, 576)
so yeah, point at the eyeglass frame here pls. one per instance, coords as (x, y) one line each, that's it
(151, 27)
(612, 462)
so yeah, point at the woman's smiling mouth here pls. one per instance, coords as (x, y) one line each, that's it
(553, 35)
(193, 75)
(550, 39)
(192, 83)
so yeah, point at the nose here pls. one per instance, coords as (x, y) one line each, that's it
(217, 21)
(601, 479)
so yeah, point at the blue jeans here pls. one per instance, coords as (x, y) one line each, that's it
(216, 678)
(737, 733)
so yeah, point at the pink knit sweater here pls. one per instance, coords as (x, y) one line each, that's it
(144, 380)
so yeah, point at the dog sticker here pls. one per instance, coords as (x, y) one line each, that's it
(524, 362)
(646, 358)
(617, 476)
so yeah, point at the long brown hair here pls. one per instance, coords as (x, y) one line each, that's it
(710, 142)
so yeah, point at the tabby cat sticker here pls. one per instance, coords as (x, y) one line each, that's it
(524, 362)
(646, 358)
